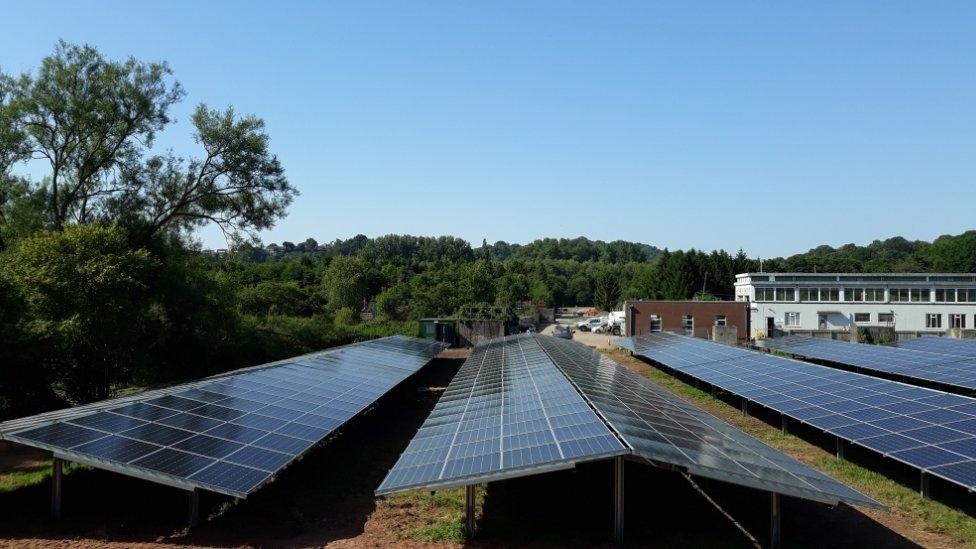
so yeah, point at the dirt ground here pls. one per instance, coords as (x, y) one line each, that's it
(598, 341)
(327, 500)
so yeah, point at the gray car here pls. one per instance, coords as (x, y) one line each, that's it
(562, 331)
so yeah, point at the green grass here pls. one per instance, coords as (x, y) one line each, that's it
(16, 480)
(934, 516)
(433, 518)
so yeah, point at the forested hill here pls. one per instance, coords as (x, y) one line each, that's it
(946, 253)
(393, 248)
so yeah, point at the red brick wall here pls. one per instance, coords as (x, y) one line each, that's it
(639, 316)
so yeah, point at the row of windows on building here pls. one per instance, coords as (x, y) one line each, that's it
(932, 320)
(687, 323)
(868, 295)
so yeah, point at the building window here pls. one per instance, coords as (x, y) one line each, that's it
(765, 294)
(655, 323)
(933, 320)
(920, 295)
(820, 294)
(886, 318)
(874, 294)
(966, 296)
(854, 294)
(945, 296)
(862, 317)
(898, 294)
(957, 320)
(791, 319)
(720, 320)
(688, 325)
(785, 294)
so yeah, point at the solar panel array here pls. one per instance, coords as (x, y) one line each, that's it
(231, 433)
(943, 369)
(519, 403)
(508, 411)
(930, 430)
(662, 427)
(943, 345)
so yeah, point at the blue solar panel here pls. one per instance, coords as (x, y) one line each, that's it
(507, 412)
(941, 345)
(229, 433)
(886, 416)
(525, 404)
(906, 362)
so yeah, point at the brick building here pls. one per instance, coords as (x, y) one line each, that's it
(697, 318)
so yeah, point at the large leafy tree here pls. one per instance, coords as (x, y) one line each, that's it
(237, 184)
(85, 300)
(87, 116)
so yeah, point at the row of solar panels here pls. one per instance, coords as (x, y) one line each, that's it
(231, 433)
(930, 430)
(943, 362)
(526, 404)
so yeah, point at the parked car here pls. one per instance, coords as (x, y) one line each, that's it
(602, 328)
(588, 325)
(561, 331)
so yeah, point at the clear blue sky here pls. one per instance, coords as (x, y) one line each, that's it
(770, 126)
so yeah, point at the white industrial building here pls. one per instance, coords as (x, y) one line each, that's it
(811, 302)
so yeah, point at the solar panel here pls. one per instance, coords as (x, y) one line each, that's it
(661, 427)
(913, 425)
(941, 369)
(529, 403)
(229, 433)
(507, 412)
(943, 345)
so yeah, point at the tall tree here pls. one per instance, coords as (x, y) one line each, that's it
(87, 116)
(607, 292)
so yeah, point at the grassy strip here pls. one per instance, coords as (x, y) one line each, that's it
(431, 518)
(15, 480)
(932, 515)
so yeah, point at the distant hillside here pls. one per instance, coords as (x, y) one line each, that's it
(945, 254)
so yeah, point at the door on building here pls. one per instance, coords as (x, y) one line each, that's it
(770, 326)
(822, 320)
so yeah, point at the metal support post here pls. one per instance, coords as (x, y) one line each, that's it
(924, 488)
(745, 407)
(840, 448)
(57, 470)
(784, 423)
(618, 498)
(774, 521)
(194, 508)
(469, 499)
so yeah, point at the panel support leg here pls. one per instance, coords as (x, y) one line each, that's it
(923, 489)
(840, 448)
(784, 423)
(194, 509)
(57, 471)
(618, 498)
(774, 521)
(469, 500)
(745, 407)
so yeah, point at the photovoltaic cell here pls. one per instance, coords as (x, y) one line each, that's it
(508, 412)
(662, 427)
(942, 345)
(229, 433)
(530, 403)
(905, 362)
(886, 416)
